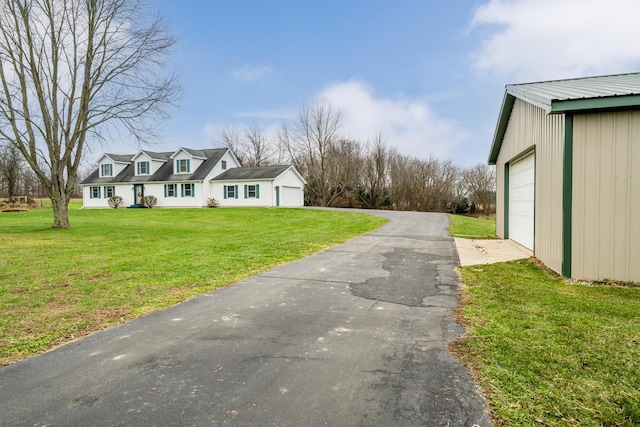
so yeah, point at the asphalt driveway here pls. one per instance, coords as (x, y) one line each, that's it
(352, 336)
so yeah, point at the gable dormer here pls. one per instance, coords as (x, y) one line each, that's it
(146, 163)
(186, 161)
(110, 165)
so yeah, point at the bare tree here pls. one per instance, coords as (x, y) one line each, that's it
(250, 144)
(309, 141)
(230, 138)
(375, 178)
(459, 202)
(11, 168)
(68, 68)
(257, 146)
(344, 166)
(481, 181)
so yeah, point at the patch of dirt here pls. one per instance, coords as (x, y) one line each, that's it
(58, 286)
(15, 210)
(100, 316)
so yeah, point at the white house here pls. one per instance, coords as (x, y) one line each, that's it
(189, 178)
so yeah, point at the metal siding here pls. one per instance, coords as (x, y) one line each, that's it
(528, 126)
(606, 229)
(500, 176)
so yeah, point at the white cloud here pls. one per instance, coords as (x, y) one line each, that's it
(409, 125)
(550, 39)
(252, 73)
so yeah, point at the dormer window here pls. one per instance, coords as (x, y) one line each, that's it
(182, 166)
(143, 168)
(106, 170)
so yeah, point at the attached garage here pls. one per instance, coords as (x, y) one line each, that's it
(567, 154)
(262, 186)
(291, 196)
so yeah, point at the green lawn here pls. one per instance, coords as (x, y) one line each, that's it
(469, 227)
(550, 353)
(115, 265)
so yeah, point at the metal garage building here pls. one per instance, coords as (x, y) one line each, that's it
(567, 156)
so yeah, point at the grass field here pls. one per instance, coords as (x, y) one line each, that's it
(548, 352)
(469, 227)
(115, 265)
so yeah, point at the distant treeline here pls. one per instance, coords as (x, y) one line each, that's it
(344, 172)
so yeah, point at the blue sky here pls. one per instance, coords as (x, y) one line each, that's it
(428, 74)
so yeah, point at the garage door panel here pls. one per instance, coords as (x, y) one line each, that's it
(522, 201)
(291, 196)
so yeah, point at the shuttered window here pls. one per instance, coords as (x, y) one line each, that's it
(182, 166)
(252, 191)
(230, 191)
(188, 190)
(143, 168)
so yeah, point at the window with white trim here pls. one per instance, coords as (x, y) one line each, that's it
(94, 192)
(109, 191)
(224, 164)
(106, 170)
(171, 190)
(252, 191)
(143, 168)
(188, 190)
(182, 166)
(230, 191)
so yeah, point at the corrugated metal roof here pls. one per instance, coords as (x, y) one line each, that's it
(570, 96)
(544, 94)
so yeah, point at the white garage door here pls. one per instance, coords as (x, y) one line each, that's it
(522, 178)
(291, 196)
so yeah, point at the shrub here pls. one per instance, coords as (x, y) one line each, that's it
(213, 203)
(149, 201)
(115, 201)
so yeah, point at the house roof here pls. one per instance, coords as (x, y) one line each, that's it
(120, 158)
(252, 173)
(157, 156)
(621, 91)
(165, 172)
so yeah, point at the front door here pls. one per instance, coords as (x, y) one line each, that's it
(138, 193)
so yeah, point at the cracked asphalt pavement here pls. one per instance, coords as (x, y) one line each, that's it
(355, 335)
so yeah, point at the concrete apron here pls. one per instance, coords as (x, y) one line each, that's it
(473, 252)
(354, 335)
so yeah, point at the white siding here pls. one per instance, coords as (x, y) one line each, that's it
(179, 201)
(183, 155)
(291, 189)
(265, 199)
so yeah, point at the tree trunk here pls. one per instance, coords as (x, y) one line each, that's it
(60, 204)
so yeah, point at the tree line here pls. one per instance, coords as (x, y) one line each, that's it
(16, 178)
(340, 172)
(343, 172)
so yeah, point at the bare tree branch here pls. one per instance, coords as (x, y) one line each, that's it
(68, 68)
